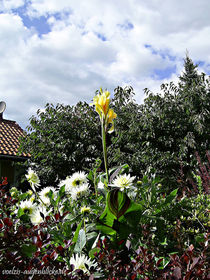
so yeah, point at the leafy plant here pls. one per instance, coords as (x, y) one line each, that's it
(120, 215)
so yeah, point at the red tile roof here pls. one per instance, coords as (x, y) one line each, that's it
(10, 132)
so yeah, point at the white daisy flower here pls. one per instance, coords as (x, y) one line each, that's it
(78, 179)
(123, 182)
(79, 262)
(80, 191)
(28, 207)
(66, 183)
(44, 194)
(33, 179)
(75, 181)
(36, 217)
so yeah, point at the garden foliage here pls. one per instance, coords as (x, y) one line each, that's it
(106, 224)
(122, 235)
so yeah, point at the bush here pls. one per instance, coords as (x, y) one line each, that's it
(138, 233)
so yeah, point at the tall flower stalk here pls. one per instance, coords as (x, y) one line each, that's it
(34, 182)
(107, 115)
(103, 133)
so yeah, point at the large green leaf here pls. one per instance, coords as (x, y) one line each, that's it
(118, 202)
(76, 235)
(120, 216)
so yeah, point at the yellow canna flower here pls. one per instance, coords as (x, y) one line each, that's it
(111, 115)
(109, 119)
(101, 102)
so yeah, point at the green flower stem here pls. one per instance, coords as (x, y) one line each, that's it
(95, 186)
(33, 188)
(84, 225)
(104, 148)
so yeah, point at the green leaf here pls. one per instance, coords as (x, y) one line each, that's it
(105, 222)
(23, 196)
(57, 236)
(92, 252)
(118, 202)
(76, 234)
(60, 195)
(61, 191)
(171, 196)
(91, 235)
(120, 216)
(200, 238)
(20, 212)
(90, 175)
(164, 242)
(67, 229)
(81, 241)
(25, 218)
(163, 262)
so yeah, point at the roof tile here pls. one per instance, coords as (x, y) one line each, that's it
(10, 132)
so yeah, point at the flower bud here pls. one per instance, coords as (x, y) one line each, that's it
(84, 210)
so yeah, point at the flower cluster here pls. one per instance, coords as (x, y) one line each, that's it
(36, 211)
(76, 185)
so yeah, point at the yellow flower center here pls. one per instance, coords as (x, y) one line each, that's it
(27, 210)
(124, 182)
(76, 182)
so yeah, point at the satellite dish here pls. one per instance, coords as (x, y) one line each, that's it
(2, 107)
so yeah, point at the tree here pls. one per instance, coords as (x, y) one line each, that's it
(128, 125)
(176, 124)
(162, 135)
(157, 136)
(62, 140)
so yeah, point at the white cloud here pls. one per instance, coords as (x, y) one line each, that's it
(6, 5)
(94, 44)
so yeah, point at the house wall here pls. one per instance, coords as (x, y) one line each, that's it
(10, 169)
(7, 169)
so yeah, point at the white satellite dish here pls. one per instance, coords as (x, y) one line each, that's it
(2, 107)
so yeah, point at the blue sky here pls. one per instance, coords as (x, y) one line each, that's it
(63, 51)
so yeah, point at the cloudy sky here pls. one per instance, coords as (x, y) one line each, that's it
(63, 51)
